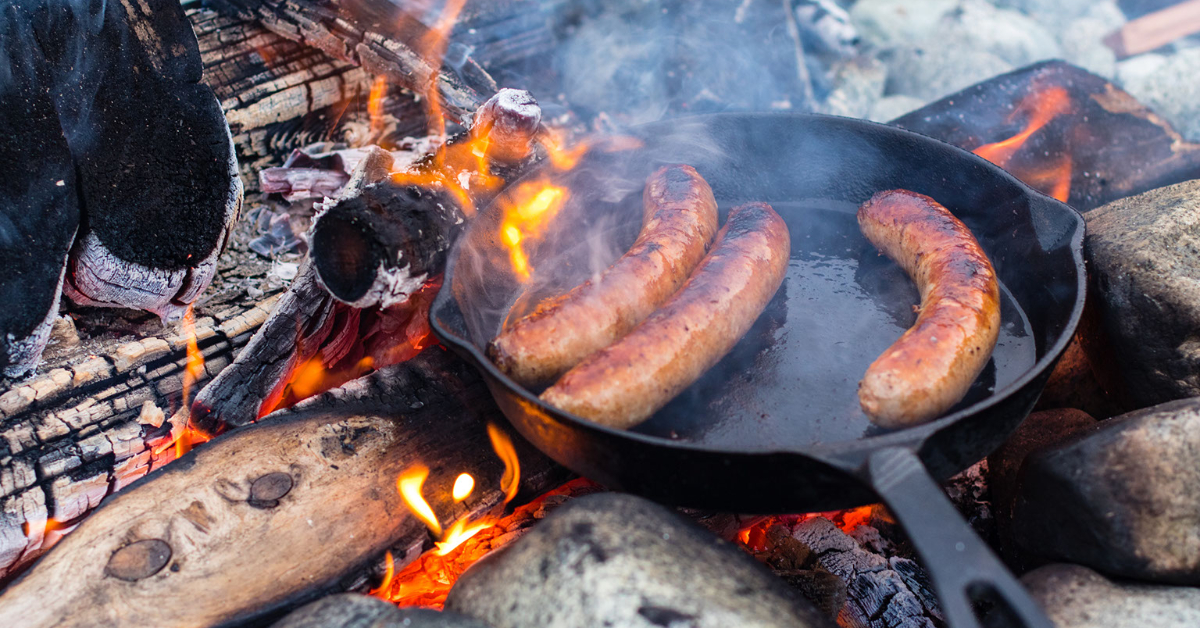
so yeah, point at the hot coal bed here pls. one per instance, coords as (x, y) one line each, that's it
(225, 240)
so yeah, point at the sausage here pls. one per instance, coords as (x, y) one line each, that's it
(623, 384)
(932, 365)
(678, 224)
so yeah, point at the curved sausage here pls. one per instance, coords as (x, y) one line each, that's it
(624, 384)
(678, 223)
(931, 366)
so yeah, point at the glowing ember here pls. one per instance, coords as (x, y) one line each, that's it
(526, 215)
(463, 485)
(1040, 107)
(459, 533)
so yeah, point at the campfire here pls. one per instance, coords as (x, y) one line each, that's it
(275, 375)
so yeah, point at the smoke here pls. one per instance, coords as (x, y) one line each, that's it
(644, 60)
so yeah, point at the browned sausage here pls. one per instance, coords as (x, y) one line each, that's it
(931, 366)
(624, 384)
(678, 223)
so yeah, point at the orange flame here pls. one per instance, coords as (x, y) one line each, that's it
(459, 533)
(375, 100)
(1040, 107)
(502, 445)
(463, 485)
(389, 574)
(409, 483)
(526, 215)
(194, 368)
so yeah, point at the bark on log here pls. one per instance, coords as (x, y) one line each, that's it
(201, 530)
(90, 427)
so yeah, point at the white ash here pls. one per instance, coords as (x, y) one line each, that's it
(100, 278)
(24, 353)
(392, 286)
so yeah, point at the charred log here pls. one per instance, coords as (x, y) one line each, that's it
(157, 173)
(39, 209)
(1112, 145)
(239, 394)
(342, 454)
(376, 249)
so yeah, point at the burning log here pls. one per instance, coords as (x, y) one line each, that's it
(307, 498)
(378, 248)
(93, 425)
(380, 38)
(1072, 134)
(303, 317)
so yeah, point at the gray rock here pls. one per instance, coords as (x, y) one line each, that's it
(1168, 85)
(889, 22)
(1122, 497)
(1013, 36)
(617, 560)
(349, 610)
(889, 108)
(1082, 43)
(1059, 13)
(1144, 254)
(858, 83)
(1077, 597)
(931, 72)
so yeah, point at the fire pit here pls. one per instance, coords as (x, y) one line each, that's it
(282, 366)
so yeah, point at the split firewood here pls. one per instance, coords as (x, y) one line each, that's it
(269, 516)
(96, 422)
(296, 330)
(1155, 30)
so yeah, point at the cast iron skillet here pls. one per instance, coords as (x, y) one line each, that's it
(775, 427)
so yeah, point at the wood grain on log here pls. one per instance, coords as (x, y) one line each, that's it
(342, 451)
(90, 427)
(380, 37)
(279, 94)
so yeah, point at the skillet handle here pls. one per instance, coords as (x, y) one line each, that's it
(963, 569)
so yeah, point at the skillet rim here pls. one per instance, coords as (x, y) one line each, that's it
(830, 452)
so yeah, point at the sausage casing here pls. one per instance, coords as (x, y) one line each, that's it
(678, 224)
(932, 365)
(625, 383)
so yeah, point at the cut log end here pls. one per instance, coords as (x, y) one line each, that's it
(378, 248)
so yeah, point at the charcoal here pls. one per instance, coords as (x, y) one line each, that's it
(1120, 497)
(617, 560)
(39, 209)
(1077, 597)
(1144, 261)
(349, 610)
